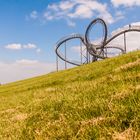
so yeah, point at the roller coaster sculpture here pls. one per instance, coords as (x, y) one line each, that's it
(94, 51)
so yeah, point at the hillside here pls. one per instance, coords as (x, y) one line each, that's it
(95, 101)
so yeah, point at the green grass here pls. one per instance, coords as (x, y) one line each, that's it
(95, 101)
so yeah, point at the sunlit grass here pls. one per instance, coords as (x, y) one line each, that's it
(94, 101)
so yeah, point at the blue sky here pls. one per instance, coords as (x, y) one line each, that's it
(29, 30)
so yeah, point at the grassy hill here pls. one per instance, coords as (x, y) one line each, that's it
(95, 101)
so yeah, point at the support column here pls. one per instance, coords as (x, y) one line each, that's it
(65, 56)
(81, 53)
(57, 68)
(125, 42)
(87, 56)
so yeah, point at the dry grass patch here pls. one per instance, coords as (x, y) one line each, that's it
(11, 110)
(19, 117)
(86, 123)
(128, 134)
(129, 65)
(122, 95)
(138, 87)
(51, 89)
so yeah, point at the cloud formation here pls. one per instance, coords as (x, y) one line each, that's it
(71, 10)
(26, 61)
(29, 46)
(78, 9)
(34, 15)
(18, 46)
(126, 3)
(14, 46)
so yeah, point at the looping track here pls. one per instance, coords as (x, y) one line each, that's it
(96, 51)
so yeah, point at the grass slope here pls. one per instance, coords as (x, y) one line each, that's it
(94, 101)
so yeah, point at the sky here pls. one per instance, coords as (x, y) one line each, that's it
(29, 30)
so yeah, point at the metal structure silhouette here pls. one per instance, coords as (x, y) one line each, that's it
(94, 51)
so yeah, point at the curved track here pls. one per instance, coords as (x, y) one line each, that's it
(62, 41)
(120, 33)
(96, 51)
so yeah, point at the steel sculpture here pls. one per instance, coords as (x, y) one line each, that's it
(93, 51)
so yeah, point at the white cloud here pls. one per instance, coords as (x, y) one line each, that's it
(74, 9)
(81, 11)
(29, 46)
(26, 61)
(126, 3)
(119, 15)
(136, 24)
(14, 46)
(71, 23)
(34, 15)
(132, 44)
(18, 46)
(22, 69)
(38, 50)
(65, 5)
(48, 16)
